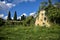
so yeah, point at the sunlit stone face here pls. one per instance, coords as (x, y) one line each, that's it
(42, 11)
(42, 20)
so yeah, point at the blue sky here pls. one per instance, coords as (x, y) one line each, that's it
(26, 7)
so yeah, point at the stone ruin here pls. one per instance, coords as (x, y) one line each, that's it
(41, 19)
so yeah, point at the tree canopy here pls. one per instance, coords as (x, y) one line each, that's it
(52, 11)
(9, 16)
(15, 16)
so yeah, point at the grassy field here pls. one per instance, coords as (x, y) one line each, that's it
(19, 32)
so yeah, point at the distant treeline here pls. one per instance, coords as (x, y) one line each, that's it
(23, 21)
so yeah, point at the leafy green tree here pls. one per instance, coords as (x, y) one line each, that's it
(57, 4)
(23, 17)
(30, 20)
(9, 16)
(52, 12)
(49, 2)
(1, 22)
(43, 5)
(15, 16)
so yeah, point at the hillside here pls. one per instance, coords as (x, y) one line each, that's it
(19, 32)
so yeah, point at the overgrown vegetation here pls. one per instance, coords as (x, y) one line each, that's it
(52, 11)
(1, 22)
(19, 32)
(53, 14)
(25, 29)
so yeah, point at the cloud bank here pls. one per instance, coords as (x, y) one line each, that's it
(11, 3)
(5, 17)
(1, 15)
(33, 14)
(3, 4)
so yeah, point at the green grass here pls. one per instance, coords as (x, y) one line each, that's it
(19, 32)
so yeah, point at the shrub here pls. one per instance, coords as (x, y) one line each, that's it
(1, 22)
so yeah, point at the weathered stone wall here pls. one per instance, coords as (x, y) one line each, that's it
(42, 20)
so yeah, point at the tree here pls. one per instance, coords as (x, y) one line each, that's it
(15, 16)
(30, 21)
(23, 17)
(57, 4)
(9, 16)
(53, 14)
(43, 5)
(49, 2)
(1, 22)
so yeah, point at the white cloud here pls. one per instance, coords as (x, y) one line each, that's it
(5, 5)
(1, 15)
(19, 17)
(24, 14)
(12, 18)
(10, 5)
(5, 17)
(3, 2)
(33, 14)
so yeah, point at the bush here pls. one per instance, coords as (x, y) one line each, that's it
(1, 22)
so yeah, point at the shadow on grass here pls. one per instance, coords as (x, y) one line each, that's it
(2, 38)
